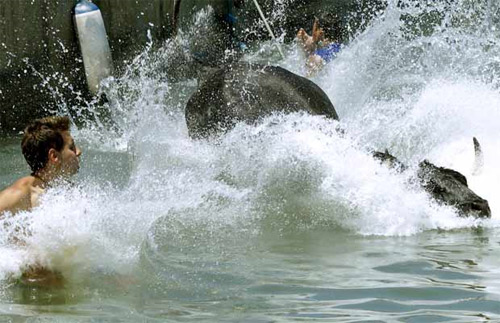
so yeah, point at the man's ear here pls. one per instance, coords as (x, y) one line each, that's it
(54, 156)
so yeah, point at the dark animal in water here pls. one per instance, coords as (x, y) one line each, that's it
(243, 92)
(444, 185)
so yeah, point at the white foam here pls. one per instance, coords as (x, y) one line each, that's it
(419, 96)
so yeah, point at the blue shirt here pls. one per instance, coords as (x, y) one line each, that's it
(329, 52)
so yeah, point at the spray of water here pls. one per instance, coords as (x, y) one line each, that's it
(422, 81)
(419, 81)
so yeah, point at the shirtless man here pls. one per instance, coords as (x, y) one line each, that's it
(318, 49)
(51, 153)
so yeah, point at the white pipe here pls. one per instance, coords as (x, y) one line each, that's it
(268, 28)
(94, 44)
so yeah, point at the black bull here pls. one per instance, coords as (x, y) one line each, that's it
(245, 93)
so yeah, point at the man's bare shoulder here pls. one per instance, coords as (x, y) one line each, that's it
(17, 197)
(23, 185)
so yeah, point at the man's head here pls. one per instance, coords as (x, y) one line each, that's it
(47, 143)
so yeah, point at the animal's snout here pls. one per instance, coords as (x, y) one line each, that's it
(480, 208)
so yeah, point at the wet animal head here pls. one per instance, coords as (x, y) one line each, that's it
(444, 185)
(450, 187)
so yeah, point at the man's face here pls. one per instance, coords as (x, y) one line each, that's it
(70, 155)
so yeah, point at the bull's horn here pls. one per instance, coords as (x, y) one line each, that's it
(478, 158)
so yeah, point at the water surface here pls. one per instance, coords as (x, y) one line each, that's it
(286, 220)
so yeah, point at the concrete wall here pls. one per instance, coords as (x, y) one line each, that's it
(39, 35)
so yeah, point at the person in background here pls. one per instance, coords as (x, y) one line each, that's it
(51, 153)
(318, 49)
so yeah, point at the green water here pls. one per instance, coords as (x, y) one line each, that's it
(278, 223)
(293, 275)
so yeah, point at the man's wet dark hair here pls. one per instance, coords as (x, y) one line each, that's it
(40, 136)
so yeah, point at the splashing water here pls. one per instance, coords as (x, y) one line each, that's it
(419, 81)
